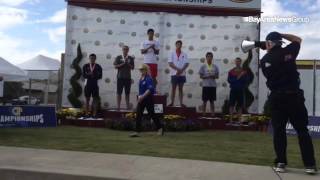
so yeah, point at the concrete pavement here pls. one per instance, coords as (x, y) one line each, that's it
(36, 164)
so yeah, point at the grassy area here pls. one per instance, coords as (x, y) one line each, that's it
(239, 147)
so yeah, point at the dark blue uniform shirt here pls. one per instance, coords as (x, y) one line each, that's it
(280, 69)
(146, 84)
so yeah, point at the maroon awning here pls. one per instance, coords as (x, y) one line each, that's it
(130, 6)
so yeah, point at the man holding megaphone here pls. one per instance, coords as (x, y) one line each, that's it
(286, 98)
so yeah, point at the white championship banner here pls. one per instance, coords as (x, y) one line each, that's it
(103, 32)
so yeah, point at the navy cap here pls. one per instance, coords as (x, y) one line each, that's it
(274, 36)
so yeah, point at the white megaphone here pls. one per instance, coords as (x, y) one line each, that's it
(246, 45)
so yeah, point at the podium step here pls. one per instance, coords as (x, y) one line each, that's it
(190, 112)
(97, 123)
(113, 113)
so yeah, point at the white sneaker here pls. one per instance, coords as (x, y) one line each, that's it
(311, 170)
(280, 168)
(134, 135)
(160, 132)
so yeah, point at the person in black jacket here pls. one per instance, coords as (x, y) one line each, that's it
(92, 72)
(286, 99)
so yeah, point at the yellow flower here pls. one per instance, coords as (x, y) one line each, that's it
(171, 117)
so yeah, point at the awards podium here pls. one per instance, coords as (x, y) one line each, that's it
(161, 109)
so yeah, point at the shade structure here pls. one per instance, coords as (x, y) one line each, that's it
(10, 72)
(40, 63)
(41, 68)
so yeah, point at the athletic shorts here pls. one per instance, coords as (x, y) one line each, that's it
(176, 80)
(123, 84)
(209, 94)
(91, 91)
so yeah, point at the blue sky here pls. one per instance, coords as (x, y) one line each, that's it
(32, 27)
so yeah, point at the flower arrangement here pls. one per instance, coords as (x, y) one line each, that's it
(70, 113)
(250, 118)
(259, 119)
(173, 117)
(131, 116)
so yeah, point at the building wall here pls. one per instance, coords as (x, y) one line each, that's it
(104, 31)
(317, 89)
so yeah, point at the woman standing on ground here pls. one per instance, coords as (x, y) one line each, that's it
(145, 100)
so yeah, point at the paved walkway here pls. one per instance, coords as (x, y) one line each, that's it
(36, 164)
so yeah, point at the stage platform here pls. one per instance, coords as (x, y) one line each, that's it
(187, 119)
(189, 114)
(94, 123)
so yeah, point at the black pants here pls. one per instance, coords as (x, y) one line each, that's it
(91, 91)
(289, 106)
(146, 103)
(236, 97)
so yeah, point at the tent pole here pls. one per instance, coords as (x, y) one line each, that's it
(30, 84)
(46, 96)
(314, 86)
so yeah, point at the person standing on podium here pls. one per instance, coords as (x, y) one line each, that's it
(178, 62)
(124, 64)
(238, 79)
(150, 49)
(92, 72)
(209, 72)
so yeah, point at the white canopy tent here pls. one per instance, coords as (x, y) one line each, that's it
(10, 72)
(41, 68)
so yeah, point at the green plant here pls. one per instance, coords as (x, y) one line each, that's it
(76, 90)
(249, 97)
(70, 113)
